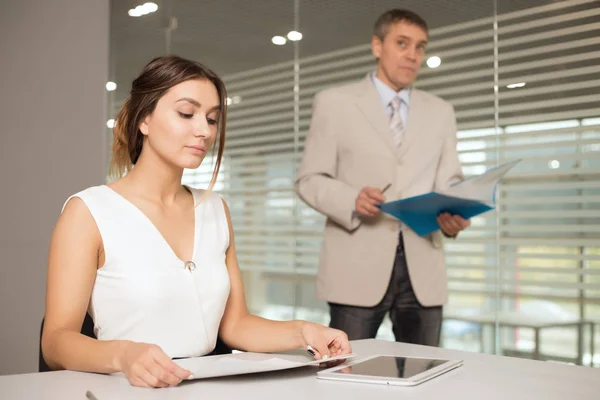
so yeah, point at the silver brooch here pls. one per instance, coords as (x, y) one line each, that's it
(189, 265)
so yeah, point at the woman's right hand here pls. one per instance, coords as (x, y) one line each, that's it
(147, 365)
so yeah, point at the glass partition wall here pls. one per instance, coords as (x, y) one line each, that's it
(524, 279)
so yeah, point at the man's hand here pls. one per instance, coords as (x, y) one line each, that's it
(367, 200)
(451, 225)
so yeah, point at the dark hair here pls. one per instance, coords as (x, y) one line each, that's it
(382, 26)
(156, 79)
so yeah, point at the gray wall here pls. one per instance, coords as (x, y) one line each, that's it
(54, 65)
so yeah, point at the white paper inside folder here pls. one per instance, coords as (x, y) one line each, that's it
(481, 187)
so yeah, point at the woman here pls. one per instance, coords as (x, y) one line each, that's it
(152, 261)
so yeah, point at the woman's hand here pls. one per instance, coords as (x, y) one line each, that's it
(147, 365)
(325, 342)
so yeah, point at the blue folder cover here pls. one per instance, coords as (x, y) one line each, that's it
(420, 212)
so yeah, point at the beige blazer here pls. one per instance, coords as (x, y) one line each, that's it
(350, 146)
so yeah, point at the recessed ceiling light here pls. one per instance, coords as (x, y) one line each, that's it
(515, 85)
(110, 123)
(278, 40)
(434, 62)
(294, 36)
(143, 9)
(150, 7)
(554, 164)
(228, 101)
(110, 86)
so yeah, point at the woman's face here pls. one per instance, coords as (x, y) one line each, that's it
(183, 126)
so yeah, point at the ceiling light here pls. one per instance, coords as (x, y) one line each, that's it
(150, 7)
(228, 101)
(515, 85)
(554, 164)
(110, 86)
(236, 100)
(278, 40)
(434, 62)
(110, 123)
(294, 36)
(143, 9)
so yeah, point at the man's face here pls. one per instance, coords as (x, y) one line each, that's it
(400, 54)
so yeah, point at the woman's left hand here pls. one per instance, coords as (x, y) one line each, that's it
(325, 342)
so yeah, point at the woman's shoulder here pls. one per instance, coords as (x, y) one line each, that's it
(92, 190)
(201, 195)
(77, 217)
(86, 196)
(210, 199)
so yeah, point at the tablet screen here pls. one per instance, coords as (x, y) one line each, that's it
(391, 367)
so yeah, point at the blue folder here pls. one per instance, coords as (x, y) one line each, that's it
(420, 212)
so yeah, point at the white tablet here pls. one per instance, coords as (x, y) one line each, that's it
(390, 370)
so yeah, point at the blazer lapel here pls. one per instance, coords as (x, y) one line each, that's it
(416, 113)
(369, 104)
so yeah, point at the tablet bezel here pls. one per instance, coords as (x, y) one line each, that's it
(411, 381)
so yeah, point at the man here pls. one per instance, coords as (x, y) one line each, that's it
(363, 137)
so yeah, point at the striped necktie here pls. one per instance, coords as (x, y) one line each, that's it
(396, 125)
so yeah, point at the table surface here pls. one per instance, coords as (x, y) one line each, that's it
(493, 377)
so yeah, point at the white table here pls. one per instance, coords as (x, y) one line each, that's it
(481, 376)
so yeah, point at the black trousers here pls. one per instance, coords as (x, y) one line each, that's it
(412, 323)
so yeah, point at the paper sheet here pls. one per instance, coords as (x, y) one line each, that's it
(246, 363)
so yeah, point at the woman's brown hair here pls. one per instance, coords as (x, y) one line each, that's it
(157, 77)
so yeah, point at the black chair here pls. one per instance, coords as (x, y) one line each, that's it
(221, 348)
(87, 329)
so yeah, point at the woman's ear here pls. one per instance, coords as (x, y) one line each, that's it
(144, 125)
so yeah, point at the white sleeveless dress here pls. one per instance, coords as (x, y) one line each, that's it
(143, 292)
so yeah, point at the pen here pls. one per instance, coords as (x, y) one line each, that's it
(310, 351)
(90, 395)
(386, 188)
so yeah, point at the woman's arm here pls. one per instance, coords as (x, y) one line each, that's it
(72, 264)
(75, 252)
(241, 330)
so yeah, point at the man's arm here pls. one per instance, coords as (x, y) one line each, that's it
(316, 182)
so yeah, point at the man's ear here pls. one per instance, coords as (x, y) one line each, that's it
(376, 46)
